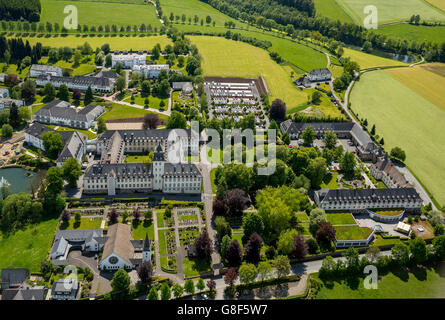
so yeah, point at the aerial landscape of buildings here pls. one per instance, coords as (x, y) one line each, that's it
(115, 186)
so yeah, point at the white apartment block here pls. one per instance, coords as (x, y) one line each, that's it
(150, 71)
(128, 61)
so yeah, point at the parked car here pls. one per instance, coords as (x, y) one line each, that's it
(204, 296)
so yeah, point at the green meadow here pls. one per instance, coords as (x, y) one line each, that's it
(332, 10)
(414, 33)
(101, 13)
(408, 120)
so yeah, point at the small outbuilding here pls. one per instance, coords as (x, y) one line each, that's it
(403, 228)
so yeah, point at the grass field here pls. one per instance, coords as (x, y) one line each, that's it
(195, 7)
(414, 33)
(194, 267)
(120, 111)
(332, 10)
(85, 223)
(101, 13)
(366, 60)
(142, 229)
(227, 58)
(162, 242)
(428, 283)
(27, 248)
(408, 120)
(116, 43)
(391, 11)
(340, 218)
(301, 58)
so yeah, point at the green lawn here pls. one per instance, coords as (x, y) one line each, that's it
(392, 11)
(194, 267)
(101, 13)
(352, 233)
(162, 242)
(142, 229)
(120, 111)
(402, 285)
(160, 218)
(332, 10)
(236, 235)
(138, 159)
(366, 60)
(28, 248)
(340, 218)
(89, 134)
(116, 43)
(393, 107)
(303, 217)
(330, 181)
(212, 180)
(153, 102)
(85, 224)
(189, 217)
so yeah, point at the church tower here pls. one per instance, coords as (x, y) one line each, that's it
(146, 251)
(158, 168)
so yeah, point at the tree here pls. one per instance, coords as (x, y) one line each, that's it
(439, 246)
(234, 253)
(7, 131)
(347, 163)
(145, 272)
(316, 97)
(148, 215)
(178, 290)
(165, 292)
(299, 247)
(222, 227)
(400, 254)
(352, 259)
(54, 181)
(230, 277)
(236, 202)
(121, 282)
(145, 88)
(278, 109)
(264, 270)
(14, 120)
(418, 250)
(153, 294)
(285, 241)
(113, 216)
(398, 154)
(71, 171)
(225, 243)
(325, 234)
(253, 248)
(373, 254)
(65, 216)
(88, 98)
(64, 93)
(308, 136)
(252, 223)
(176, 121)
(204, 246)
(189, 286)
(49, 91)
(282, 265)
(316, 217)
(121, 84)
(247, 273)
(200, 285)
(28, 90)
(11, 80)
(151, 121)
(316, 171)
(373, 130)
(193, 65)
(53, 144)
(101, 125)
(312, 245)
(330, 139)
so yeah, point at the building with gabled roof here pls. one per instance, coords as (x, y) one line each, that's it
(37, 70)
(386, 171)
(13, 278)
(118, 250)
(319, 75)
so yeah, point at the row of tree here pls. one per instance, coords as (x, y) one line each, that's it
(20, 9)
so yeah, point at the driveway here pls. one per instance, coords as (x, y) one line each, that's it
(100, 279)
(364, 220)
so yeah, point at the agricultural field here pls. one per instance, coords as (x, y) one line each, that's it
(392, 11)
(27, 248)
(227, 58)
(428, 283)
(407, 119)
(367, 61)
(195, 7)
(101, 13)
(116, 43)
(332, 10)
(414, 33)
(438, 4)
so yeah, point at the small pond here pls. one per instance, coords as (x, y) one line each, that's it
(20, 180)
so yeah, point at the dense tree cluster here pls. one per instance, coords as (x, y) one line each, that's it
(15, 50)
(20, 9)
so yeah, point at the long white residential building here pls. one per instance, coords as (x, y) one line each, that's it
(150, 71)
(128, 61)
